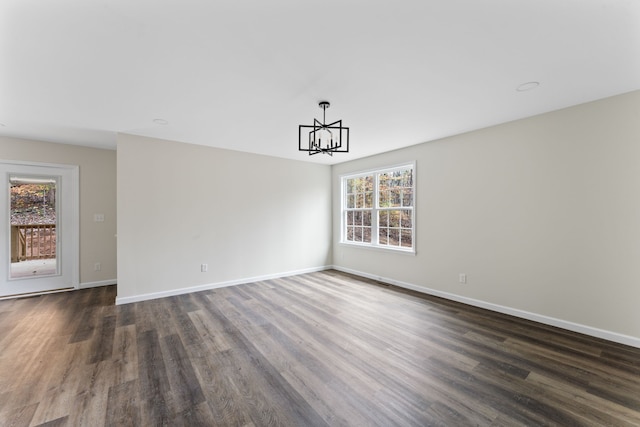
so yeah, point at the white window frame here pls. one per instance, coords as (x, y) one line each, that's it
(375, 209)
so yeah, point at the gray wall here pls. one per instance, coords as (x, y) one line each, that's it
(247, 216)
(542, 214)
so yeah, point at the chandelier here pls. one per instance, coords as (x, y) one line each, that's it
(323, 138)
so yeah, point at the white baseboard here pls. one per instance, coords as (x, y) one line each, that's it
(87, 285)
(208, 286)
(570, 326)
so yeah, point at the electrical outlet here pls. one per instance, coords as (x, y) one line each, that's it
(97, 266)
(98, 217)
(462, 278)
(204, 268)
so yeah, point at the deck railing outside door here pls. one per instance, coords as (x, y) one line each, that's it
(33, 241)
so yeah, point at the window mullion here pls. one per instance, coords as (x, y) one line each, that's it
(375, 234)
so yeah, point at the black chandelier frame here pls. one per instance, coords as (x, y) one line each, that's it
(309, 135)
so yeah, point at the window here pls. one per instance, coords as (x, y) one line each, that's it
(378, 208)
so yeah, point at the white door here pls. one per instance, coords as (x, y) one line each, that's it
(39, 228)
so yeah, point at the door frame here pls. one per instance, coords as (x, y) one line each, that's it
(73, 222)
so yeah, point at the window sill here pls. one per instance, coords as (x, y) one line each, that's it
(379, 248)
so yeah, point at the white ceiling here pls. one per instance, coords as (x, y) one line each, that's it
(243, 74)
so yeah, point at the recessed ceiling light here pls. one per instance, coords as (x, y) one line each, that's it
(160, 121)
(527, 86)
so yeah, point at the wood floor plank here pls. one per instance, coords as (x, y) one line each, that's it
(125, 354)
(68, 375)
(155, 392)
(181, 319)
(196, 415)
(318, 349)
(91, 399)
(86, 326)
(19, 417)
(185, 387)
(214, 368)
(123, 405)
(126, 315)
(58, 422)
(102, 347)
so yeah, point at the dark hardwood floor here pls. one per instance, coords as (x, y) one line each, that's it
(321, 349)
